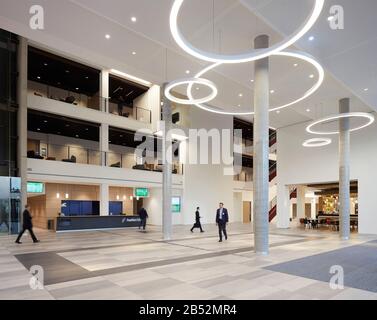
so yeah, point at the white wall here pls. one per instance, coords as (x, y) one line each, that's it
(299, 165)
(153, 205)
(205, 184)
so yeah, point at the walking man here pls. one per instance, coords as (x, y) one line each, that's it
(197, 223)
(222, 219)
(143, 218)
(27, 225)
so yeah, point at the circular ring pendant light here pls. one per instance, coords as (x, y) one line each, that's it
(369, 120)
(191, 81)
(317, 142)
(252, 55)
(293, 54)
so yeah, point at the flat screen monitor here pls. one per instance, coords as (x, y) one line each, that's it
(35, 187)
(176, 204)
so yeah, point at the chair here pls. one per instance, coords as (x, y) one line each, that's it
(70, 99)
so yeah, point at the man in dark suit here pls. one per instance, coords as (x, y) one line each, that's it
(222, 219)
(27, 225)
(143, 218)
(197, 223)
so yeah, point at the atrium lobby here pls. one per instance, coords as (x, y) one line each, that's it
(181, 151)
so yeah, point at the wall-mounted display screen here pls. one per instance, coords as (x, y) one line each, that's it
(141, 192)
(176, 204)
(35, 187)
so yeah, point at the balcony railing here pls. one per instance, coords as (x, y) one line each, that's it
(95, 102)
(77, 154)
(246, 175)
(136, 113)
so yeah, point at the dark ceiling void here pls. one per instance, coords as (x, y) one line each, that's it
(247, 161)
(247, 128)
(126, 138)
(59, 72)
(63, 126)
(124, 91)
(332, 188)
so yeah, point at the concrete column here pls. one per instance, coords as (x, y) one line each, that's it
(104, 142)
(104, 90)
(344, 170)
(104, 199)
(283, 206)
(261, 149)
(167, 168)
(301, 190)
(22, 117)
(313, 208)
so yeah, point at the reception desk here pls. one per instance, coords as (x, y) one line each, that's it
(75, 223)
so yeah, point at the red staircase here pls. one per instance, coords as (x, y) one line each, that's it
(273, 212)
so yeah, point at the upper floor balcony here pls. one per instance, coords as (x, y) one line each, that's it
(68, 88)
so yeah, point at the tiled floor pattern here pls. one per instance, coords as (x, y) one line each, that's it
(128, 264)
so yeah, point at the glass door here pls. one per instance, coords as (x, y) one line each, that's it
(10, 194)
(4, 206)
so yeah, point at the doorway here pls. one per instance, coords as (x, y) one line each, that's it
(246, 209)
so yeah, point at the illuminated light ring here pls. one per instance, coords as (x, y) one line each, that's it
(367, 116)
(252, 55)
(191, 81)
(294, 54)
(317, 142)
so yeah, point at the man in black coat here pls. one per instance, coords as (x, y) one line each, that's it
(143, 218)
(197, 223)
(27, 225)
(222, 219)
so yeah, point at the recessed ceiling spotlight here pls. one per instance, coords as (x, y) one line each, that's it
(45, 64)
(38, 129)
(133, 19)
(86, 129)
(278, 111)
(66, 71)
(107, 36)
(187, 71)
(38, 77)
(240, 95)
(86, 77)
(67, 125)
(197, 88)
(272, 91)
(77, 88)
(77, 135)
(311, 38)
(311, 76)
(239, 105)
(307, 110)
(295, 65)
(133, 52)
(252, 80)
(366, 89)
(45, 121)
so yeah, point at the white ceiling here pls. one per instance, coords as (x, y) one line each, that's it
(77, 29)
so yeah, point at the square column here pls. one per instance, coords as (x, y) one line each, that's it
(104, 90)
(104, 142)
(104, 199)
(301, 191)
